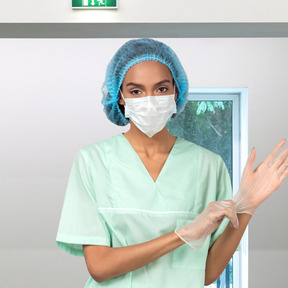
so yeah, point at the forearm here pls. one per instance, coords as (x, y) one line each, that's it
(105, 263)
(223, 249)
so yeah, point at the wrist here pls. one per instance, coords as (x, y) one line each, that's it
(243, 205)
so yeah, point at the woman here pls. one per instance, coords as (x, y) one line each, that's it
(145, 208)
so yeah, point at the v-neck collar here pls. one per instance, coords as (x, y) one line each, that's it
(142, 164)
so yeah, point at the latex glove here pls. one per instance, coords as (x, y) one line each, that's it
(257, 185)
(196, 232)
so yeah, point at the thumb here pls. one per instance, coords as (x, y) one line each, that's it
(250, 162)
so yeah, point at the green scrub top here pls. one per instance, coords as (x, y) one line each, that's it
(112, 200)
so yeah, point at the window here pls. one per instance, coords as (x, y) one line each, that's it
(216, 118)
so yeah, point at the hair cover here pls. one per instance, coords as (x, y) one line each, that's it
(131, 53)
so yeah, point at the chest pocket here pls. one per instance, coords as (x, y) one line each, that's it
(186, 257)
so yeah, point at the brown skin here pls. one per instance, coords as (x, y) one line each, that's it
(152, 78)
(156, 80)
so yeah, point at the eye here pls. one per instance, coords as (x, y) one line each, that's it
(135, 92)
(162, 89)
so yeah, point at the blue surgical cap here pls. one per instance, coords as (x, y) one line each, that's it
(131, 53)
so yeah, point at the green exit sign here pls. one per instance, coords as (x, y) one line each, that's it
(94, 4)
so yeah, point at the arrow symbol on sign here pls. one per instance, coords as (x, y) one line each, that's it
(93, 2)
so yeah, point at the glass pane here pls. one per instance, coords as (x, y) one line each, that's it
(209, 124)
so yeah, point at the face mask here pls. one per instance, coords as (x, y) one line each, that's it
(151, 113)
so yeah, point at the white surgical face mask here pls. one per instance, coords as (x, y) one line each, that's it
(151, 113)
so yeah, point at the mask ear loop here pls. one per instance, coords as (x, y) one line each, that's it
(122, 96)
(174, 88)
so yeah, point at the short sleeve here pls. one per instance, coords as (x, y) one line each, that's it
(223, 192)
(80, 223)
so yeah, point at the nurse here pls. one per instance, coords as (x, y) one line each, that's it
(148, 209)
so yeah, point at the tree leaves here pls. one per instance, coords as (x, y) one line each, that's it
(210, 106)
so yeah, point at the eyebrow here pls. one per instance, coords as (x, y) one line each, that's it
(141, 86)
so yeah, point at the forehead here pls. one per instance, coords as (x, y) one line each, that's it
(148, 71)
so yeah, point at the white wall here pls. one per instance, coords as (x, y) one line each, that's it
(221, 11)
(50, 107)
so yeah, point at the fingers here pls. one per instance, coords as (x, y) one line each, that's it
(281, 159)
(283, 170)
(281, 162)
(232, 216)
(250, 162)
(274, 152)
(230, 212)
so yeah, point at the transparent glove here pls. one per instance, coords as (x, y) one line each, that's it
(257, 185)
(196, 232)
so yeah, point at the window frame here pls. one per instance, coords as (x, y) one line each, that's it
(239, 96)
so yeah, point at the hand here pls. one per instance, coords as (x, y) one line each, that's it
(257, 185)
(196, 232)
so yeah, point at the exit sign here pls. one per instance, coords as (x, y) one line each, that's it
(94, 4)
